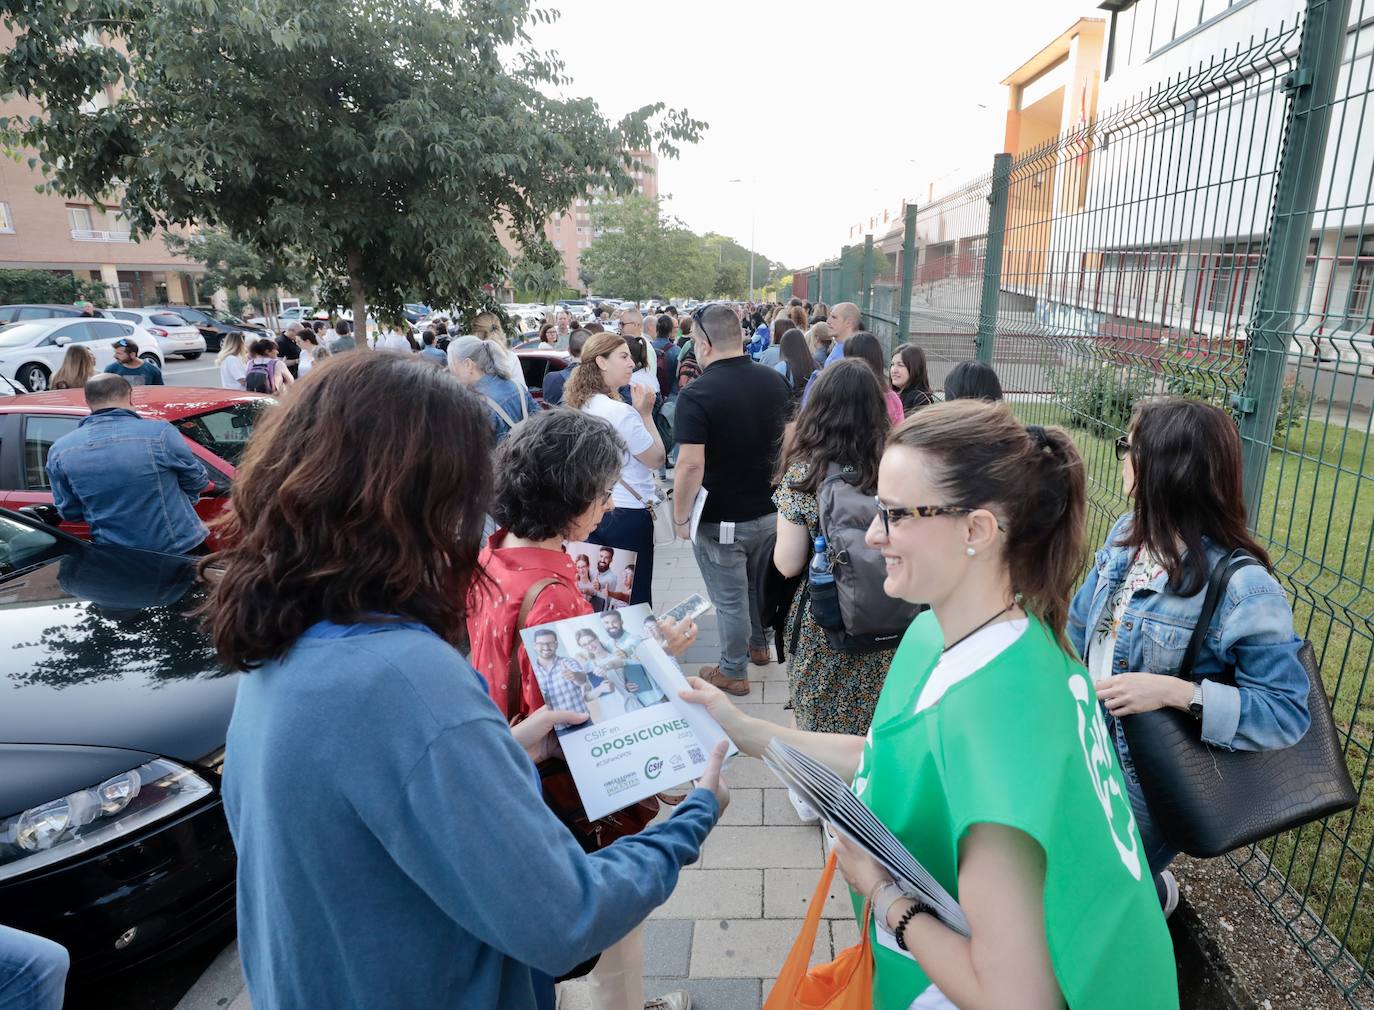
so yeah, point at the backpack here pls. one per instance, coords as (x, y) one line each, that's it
(687, 371)
(665, 374)
(869, 619)
(260, 376)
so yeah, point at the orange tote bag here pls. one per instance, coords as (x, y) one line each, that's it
(846, 983)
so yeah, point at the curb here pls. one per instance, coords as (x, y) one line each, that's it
(1205, 979)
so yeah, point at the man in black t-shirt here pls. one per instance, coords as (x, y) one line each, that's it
(728, 429)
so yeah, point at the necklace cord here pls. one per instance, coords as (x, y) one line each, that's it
(964, 638)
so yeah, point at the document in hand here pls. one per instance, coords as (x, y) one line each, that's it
(842, 810)
(640, 737)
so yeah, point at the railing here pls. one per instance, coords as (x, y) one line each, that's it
(1211, 238)
(87, 235)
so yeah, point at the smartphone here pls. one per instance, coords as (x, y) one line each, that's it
(692, 607)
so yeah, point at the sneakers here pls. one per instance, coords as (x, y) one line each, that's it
(1167, 887)
(760, 657)
(804, 810)
(675, 1000)
(738, 686)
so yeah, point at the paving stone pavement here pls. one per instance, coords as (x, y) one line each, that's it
(724, 933)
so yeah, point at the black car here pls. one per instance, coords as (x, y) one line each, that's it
(113, 840)
(213, 324)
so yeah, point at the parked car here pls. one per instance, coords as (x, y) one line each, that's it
(294, 314)
(113, 840)
(216, 424)
(213, 325)
(31, 351)
(23, 313)
(167, 331)
(535, 364)
(415, 313)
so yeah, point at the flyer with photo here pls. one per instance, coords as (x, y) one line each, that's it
(605, 575)
(640, 738)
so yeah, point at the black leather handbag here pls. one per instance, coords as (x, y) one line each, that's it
(1207, 801)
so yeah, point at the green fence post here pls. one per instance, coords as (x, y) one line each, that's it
(866, 278)
(1311, 86)
(908, 276)
(992, 264)
(846, 286)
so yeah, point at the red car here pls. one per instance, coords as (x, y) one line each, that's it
(216, 424)
(536, 364)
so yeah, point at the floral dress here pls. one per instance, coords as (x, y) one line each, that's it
(830, 692)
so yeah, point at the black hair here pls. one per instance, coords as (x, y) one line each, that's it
(972, 380)
(664, 327)
(864, 346)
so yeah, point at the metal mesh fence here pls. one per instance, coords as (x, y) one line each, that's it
(1213, 238)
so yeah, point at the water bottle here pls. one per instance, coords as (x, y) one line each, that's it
(825, 596)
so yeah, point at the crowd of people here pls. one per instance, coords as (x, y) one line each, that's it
(393, 615)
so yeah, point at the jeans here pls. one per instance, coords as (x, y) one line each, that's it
(1156, 850)
(731, 571)
(33, 971)
(631, 530)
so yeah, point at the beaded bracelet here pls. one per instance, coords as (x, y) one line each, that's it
(899, 933)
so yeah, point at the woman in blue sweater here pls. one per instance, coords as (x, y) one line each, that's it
(394, 849)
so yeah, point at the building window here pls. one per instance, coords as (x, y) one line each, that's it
(1358, 252)
(79, 217)
(6, 219)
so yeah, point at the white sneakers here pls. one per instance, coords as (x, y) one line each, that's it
(1170, 892)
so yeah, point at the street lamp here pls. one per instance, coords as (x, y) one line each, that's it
(751, 238)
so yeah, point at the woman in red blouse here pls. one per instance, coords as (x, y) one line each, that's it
(554, 477)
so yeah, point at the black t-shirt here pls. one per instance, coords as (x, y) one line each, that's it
(737, 410)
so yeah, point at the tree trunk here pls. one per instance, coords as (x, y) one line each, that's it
(358, 296)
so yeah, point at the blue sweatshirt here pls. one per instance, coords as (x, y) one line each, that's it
(394, 850)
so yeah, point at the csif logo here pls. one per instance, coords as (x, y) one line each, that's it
(653, 768)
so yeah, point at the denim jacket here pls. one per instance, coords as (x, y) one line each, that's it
(507, 395)
(1266, 708)
(134, 480)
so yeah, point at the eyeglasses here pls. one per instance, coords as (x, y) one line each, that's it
(1123, 447)
(895, 514)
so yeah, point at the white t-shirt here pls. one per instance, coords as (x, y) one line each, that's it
(232, 372)
(1102, 640)
(627, 422)
(306, 361)
(391, 340)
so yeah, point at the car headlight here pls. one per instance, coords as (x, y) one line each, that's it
(81, 821)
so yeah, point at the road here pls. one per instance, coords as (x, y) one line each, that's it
(203, 372)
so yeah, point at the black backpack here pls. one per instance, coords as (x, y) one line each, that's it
(855, 613)
(260, 376)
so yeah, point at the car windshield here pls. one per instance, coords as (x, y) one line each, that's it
(21, 334)
(225, 432)
(24, 546)
(227, 317)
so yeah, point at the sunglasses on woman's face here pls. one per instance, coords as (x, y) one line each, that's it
(1123, 447)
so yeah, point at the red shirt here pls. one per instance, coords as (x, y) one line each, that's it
(494, 607)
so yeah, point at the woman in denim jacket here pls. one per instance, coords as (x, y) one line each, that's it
(1133, 617)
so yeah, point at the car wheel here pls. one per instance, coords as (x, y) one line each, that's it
(34, 378)
(151, 359)
(192, 355)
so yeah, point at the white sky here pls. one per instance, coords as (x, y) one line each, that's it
(897, 86)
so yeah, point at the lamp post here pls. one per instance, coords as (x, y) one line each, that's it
(751, 238)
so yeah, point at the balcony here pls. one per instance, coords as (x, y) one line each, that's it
(87, 235)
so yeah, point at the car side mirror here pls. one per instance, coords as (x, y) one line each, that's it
(62, 341)
(45, 514)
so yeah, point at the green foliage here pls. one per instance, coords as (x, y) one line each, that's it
(391, 139)
(731, 281)
(44, 286)
(639, 253)
(230, 264)
(539, 270)
(1098, 395)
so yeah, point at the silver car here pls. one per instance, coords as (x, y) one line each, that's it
(164, 331)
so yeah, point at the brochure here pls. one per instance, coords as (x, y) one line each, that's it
(605, 575)
(640, 737)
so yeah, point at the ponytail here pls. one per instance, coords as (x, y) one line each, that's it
(1032, 478)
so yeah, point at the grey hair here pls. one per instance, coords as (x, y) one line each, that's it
(552, 468)
(487, 355)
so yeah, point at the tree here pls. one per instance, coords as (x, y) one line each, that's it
(538, 271)
(230, 264)
(391, 139)
(44, 286)
(730, 281)
(639, 253)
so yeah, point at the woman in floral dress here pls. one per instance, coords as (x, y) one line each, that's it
(844, 424)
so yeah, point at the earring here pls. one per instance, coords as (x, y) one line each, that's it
(970, 551)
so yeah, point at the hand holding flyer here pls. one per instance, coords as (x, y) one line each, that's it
(639, 737)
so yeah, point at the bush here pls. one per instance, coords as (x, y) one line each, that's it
(1099, 395)
(1293, 402)
(44, 286)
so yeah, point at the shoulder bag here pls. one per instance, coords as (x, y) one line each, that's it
(661, 517)
(1207, 801)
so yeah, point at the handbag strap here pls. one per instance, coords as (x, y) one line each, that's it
(500, 412)
(513, 668)
(1222, 571)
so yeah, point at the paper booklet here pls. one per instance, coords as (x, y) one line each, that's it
(845, 813)
(698, 504)
(641, 738)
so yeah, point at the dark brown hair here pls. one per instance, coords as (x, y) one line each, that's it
(800, 361)
(1186, 457)
(844, 422)
(371, 521)
(586, 380)
(1030, 477)
(865, 347)
(917, 391)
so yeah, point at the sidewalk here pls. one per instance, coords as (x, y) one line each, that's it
(724, 933)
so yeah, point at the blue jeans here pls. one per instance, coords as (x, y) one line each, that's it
(33, 971)
(631, 530)
(731, 571)
(1156, 850)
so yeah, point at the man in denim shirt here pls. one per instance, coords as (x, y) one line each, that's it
(133, 480)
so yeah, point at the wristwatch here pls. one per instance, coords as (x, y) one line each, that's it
(1195, 706)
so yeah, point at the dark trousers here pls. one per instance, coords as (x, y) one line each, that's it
(631, 530)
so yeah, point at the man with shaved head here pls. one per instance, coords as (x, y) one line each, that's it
(845, 320)
(133, 480)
